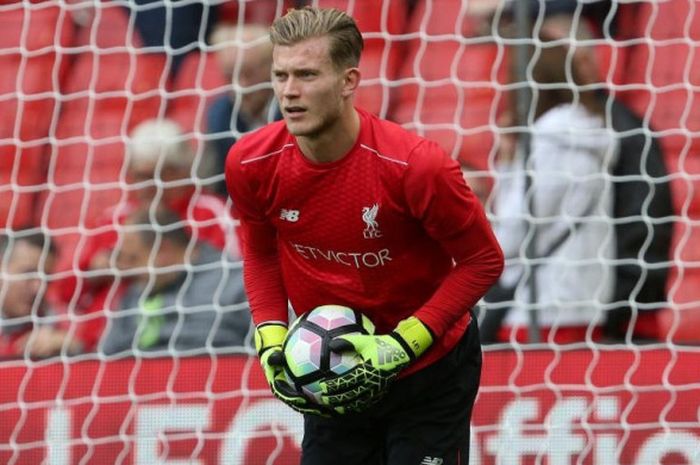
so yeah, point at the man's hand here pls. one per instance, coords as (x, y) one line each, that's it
(45, 341)
(384, 356)
(269, 338)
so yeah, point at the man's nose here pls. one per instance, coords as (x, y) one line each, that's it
(291, 88)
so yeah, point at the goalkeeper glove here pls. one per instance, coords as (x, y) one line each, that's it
(383, 357)
(269, 338)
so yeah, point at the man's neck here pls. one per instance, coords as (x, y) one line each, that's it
(335, 142)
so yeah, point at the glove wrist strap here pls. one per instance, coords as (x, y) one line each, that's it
(414, 336)
(269, 335)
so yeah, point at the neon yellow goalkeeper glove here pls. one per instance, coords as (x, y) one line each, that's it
(384, 356)
(269, 338)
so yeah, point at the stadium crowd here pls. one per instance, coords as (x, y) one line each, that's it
(117, 233)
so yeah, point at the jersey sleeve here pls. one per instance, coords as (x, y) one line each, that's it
(451, 214)
(262, 274)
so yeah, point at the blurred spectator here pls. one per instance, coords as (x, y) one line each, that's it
(182, 296)
(643, 208)
(244, 55)
(565, 210)
(162, 170)
(161, 166)
(27, 327)
(597, 11)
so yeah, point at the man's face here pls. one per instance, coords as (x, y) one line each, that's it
(308, 86)
(134, 258)
(21, 286)
(252, 69)
(143, 176)
(133, 255)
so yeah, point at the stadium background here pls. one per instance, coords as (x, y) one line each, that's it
(76, 77)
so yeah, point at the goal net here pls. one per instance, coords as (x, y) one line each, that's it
(125, 336)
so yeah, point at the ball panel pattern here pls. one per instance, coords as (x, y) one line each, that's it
(342, 363)
(331, 316)
(304, 352)
(308, 358)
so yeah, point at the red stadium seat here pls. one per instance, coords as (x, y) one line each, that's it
(680, 323)
(664, 69)
(383, 54)
(450, 96)
(659, 65)
(30, 70)
(114, 76)
(198, 82)
(686, 244)
(111, 87)
(685, 182)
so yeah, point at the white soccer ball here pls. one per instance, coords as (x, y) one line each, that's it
(308, 358)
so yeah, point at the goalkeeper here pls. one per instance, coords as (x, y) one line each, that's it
(339, 207)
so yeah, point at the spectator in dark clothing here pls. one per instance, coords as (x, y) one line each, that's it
(599, 12)
(182, 298)
(180, 26)
(245, 54)
(160, 163)
(643, 213)
(642, 209)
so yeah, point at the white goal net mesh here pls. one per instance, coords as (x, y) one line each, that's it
(126, 338)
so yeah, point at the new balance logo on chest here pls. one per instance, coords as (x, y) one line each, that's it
(289, 215)
(431, 461)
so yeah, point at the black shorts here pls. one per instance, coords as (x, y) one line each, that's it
(423, 420)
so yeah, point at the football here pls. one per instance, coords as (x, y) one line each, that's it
(308, 358)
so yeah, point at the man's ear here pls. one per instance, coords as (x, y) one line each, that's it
(351, 81)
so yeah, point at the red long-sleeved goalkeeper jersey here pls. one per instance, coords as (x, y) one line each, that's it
(390, 229)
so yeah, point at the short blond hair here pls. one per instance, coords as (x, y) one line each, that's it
(305, 23)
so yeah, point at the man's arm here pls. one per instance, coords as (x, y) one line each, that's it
(452, 215)
(262, 274)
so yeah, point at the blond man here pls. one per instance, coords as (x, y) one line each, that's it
(339, 207)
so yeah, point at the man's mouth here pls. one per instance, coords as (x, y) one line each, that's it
(294, 110)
